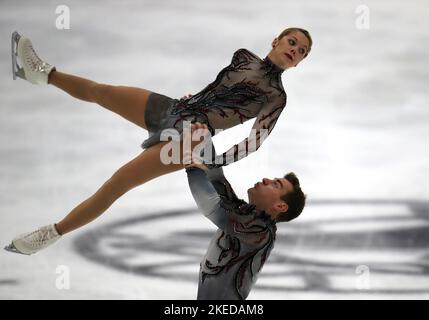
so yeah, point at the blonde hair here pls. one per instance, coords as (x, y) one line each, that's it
(305, 32)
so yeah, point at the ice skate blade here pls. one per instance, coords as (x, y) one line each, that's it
(16, 70)
(12, 248)
(20, 73)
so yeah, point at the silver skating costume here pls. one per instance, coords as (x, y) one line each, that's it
(240, 246)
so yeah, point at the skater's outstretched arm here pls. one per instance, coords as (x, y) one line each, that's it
(206, 197)
(264, 124)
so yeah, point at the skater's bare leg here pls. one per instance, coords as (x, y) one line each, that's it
(128, 102)
(140, 170)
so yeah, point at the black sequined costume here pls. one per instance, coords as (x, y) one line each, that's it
(247, 88)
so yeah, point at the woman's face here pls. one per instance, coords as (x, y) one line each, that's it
(289, 50)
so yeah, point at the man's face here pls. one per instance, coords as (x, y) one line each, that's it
(289, 50)
(266, 195)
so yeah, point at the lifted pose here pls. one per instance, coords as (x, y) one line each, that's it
(249, 87)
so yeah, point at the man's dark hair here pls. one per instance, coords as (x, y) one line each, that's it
(294, 199)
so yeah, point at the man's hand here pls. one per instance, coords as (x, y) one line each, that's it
(198, 130)
(202, 166)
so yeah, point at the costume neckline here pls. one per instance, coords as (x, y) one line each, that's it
(262, 214)
(265, 216)
(274, 68)
(246, 207)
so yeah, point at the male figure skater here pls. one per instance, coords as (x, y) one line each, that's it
(247, 230)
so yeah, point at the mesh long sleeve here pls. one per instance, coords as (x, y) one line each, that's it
(262, 127)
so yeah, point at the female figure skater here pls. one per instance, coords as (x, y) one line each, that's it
(248, 87)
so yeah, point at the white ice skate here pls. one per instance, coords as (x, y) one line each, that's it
(32, 242)
(30, 66)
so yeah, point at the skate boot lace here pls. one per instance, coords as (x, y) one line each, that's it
(34, 61)
(38, 238)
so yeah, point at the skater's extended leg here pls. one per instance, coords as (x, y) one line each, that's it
(138, 171)
(141, 169)
(128, 102)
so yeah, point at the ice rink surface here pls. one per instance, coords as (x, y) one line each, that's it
(354, 131)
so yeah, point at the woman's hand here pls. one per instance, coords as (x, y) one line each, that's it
(186, 97)
(193, 158)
